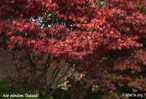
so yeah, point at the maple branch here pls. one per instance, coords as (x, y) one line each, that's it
(59, 80)
(68, 77)
(54, 75)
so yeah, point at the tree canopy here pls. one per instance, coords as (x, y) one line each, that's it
(106, 42)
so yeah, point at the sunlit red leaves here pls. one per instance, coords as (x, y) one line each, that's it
(15, 41)
(20, 27)
(75, 44)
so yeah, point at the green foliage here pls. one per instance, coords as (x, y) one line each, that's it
(141, 8)
(99, 3)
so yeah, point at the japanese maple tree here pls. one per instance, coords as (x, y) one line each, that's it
(106, 43)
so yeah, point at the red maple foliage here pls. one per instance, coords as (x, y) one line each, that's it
(102, 42)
